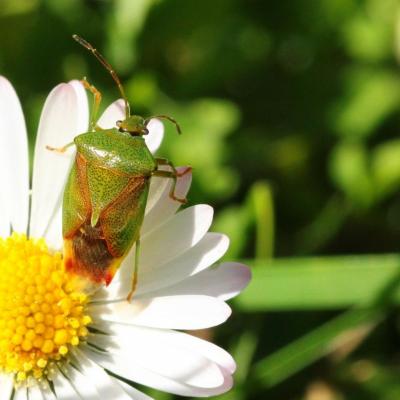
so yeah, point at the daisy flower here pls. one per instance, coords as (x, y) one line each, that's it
(59, 343)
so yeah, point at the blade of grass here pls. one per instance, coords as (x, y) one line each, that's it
(262, 202)
(318, 282)
(324, 227)
(326, 338)
(309, 348)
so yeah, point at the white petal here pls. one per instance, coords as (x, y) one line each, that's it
(225, 387)
(129, 369)
(54, 237)
(82, 384)
(64, 388)
(156, 134)
(159, 211)
(83, 108)
(157, 343)
(35, 393)
(5, 220)
(20, 394)
(103, 382)
(181, 232)
(6, 385)
(134, 393)
(209, 250)
(170, 312)
(60, 122)
(224, 282)
(158, 187)
(14, 165)
(156, 355)
(113, 113)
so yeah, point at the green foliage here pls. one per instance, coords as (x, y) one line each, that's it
(371, 95)
(207, 122)
(290, 117)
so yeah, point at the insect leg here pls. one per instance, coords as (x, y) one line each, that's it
(174, 174)
(96, 102)
(135, 270)
(164, 161)
(60, 149)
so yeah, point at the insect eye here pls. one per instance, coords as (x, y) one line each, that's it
(145, 131)
(118, 123)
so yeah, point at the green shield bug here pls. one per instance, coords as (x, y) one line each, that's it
(106, 191)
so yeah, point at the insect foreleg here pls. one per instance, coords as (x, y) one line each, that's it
(135, 270)
(96, 103)
(60, 149)
(174, 174)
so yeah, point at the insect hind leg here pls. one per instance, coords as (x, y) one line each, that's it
(174, 175)
(135, 271)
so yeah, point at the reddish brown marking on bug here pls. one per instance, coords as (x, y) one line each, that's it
(69, 265)
(90, 253)
(108, 278)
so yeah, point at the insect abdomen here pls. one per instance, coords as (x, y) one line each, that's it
(87, 254)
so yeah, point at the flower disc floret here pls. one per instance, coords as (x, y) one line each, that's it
(41, 313)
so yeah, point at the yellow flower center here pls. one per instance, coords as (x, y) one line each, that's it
(41, 314)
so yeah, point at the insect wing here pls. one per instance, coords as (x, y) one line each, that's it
(121, 220)
(76, 203)
(104, 185)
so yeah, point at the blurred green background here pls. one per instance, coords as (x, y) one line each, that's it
(290, 112)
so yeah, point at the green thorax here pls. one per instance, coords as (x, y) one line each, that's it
(118, 151)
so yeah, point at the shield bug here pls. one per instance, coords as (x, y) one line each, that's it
(106, 191)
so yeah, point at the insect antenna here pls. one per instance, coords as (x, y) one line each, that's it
(108, 67)
(170, 119)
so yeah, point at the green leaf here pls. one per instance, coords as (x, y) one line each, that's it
(349, 169)
(125, 24)
(386, 167)
(372, 95)
(318, 282)
(368, 37)
(205, 124)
